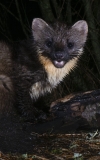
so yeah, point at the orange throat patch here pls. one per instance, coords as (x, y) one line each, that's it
(56, 75)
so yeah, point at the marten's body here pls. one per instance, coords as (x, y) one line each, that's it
(34, 67)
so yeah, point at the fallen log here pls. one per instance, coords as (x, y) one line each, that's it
(72, 112)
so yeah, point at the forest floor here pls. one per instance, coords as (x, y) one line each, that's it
(19, 141)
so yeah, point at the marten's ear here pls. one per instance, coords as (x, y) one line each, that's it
(39, 28)
(80, 29)
(81, 26)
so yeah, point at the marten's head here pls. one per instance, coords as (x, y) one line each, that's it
(57, 43)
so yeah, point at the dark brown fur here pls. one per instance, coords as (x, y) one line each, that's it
(6, 83)
(31, 68)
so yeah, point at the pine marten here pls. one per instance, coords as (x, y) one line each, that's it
(31, 68)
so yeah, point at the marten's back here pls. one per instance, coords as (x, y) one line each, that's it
(6, 84)
(5, 59)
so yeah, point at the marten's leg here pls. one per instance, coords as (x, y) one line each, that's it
(26, 105)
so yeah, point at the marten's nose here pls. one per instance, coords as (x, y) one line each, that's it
(59, 55)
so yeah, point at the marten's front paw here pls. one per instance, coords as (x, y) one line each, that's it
(34, 115)
(42, 116)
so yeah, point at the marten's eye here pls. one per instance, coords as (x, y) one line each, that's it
(70, 45)
(49, 43)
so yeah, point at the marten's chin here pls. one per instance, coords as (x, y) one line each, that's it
(59, 64)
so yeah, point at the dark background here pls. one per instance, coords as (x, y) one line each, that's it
(15, 24)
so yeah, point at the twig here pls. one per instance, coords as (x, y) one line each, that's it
(20, 18)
